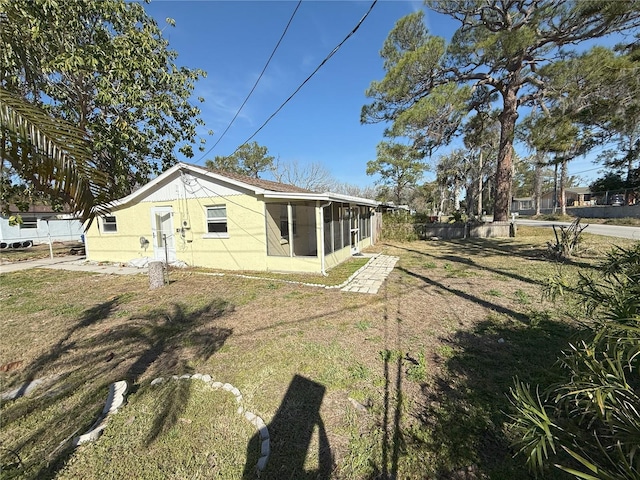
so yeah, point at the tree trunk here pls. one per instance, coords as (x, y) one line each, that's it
(480, 186)
(537, 186)
(507, 118)
(555, 185)
(563, 183)
(456, 200)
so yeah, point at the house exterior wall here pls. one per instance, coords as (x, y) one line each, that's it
(243, 248)
(61, 230)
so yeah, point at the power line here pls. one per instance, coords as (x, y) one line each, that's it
(326, 59)
(255, 84)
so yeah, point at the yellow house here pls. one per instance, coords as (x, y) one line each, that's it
(232, 222)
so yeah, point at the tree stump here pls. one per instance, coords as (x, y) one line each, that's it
(156, 275)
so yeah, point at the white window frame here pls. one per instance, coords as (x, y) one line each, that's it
(216, 220)
(109, 226)
(29, 222)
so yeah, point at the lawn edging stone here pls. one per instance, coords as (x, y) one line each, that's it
(115, 399)
(295, 282)
(255, 420)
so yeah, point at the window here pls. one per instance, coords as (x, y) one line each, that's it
(29, 222)
(217, 221)
(109, 224)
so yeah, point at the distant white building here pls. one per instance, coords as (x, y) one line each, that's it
(39, 225)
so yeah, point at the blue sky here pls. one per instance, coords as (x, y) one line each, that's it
(232, 40)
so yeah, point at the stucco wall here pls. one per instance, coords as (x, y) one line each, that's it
(244, 249)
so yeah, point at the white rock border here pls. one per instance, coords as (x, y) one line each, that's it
(293, 282)
(255, 420)
(115, 399)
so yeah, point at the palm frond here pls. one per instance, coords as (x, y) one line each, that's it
(53, 154)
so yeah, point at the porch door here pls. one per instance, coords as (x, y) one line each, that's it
(163, 234)
(355, 233)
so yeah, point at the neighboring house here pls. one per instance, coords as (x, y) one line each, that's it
(575, 197)
(39, 225)
(232, 222)
(391, 207)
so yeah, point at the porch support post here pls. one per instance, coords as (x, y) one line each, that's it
(290, 227)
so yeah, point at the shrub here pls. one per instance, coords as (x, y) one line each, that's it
(399, 227)
(590, 423)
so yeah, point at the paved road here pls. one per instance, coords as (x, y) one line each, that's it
(595, 228)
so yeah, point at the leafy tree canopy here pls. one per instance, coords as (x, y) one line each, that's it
(400, 168)
(249, 159)
(430, 86)
(106, 68)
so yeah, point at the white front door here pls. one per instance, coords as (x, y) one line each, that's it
(163, 235)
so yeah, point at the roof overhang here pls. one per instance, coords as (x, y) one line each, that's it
(187, 168)
(321, 197)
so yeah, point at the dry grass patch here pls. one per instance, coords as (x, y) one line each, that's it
(60, 249)
(408, 383)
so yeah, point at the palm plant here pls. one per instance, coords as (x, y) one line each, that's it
(594, 416)
(52, 155)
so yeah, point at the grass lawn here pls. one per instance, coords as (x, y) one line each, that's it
(34, 252)
(409, 383)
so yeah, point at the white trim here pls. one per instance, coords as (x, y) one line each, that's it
(322, 197)
(216, 235)
(177, 168)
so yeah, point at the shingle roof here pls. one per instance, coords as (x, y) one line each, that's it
(35, 209)
(261, 183)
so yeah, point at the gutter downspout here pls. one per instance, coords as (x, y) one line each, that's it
(322, 207)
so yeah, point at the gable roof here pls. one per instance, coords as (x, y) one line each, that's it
(260, 187)
(259, 182)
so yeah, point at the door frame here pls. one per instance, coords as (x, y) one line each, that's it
(158, 245)
(354, 223)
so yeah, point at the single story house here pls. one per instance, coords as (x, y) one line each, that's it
(232, 222)
(575, 197)
(39, 224)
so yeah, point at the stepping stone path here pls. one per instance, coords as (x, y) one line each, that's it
(371, 277)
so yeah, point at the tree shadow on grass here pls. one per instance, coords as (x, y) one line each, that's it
(89, 358)
(460, 251)
(467, 296)
(465, 408)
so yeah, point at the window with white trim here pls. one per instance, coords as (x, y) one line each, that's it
(109, 224)
(217, 221)
(29, 222)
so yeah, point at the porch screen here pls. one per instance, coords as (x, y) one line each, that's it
(328, 243)
(277, 230)
(346, 226)
(337, 229)
(304, 239)
(365, 222)
(303, 227)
